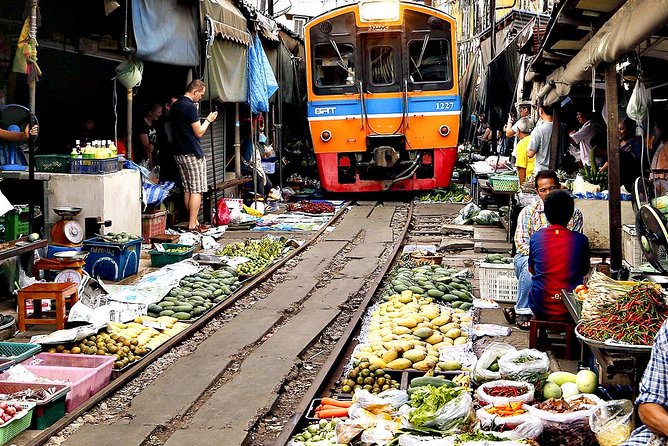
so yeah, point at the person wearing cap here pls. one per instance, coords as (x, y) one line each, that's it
(525, 165)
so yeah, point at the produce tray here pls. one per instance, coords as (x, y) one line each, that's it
(505, 183)
(46, 411)
(17, 424)
(115, 373)
(310, 413)
(161, 258)
(101, 365)
(95, 166)
(17, 351)
(612, 347)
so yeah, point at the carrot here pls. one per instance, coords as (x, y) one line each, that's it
(327, 407)
(332, 402)
(333, 413)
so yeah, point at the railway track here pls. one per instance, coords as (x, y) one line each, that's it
(354, 249)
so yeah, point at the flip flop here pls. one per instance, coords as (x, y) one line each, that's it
(509, 314)
(523, 321)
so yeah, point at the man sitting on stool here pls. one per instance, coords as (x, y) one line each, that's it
(558, 259)
(531, 220)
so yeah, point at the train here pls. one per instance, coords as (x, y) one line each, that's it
(383, 100)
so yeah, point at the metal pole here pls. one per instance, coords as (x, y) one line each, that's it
(128, 155)
(237, 142)
(492, 27)
(614, 178)
(32, 80)
(32, 87)
(278, 141)
(554, 139)
(213, 152)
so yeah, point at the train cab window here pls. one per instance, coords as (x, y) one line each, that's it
(430, 60)
(333, 65)
(381, 65)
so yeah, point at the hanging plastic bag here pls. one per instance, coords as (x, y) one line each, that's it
(639, 103)
(221, 215)
(494, 351)
(612, 422)
(527, 365)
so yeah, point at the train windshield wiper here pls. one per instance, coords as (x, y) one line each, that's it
(418, 64)
(344, 64)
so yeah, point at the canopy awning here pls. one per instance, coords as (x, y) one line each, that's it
(633, 23)
(227, 21)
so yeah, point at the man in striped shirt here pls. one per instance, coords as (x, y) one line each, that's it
(531, 220)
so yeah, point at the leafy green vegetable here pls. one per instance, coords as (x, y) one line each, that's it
(428, 401)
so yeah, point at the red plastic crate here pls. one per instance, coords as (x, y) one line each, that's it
(102, 365)
(152, 224)
(80, 380)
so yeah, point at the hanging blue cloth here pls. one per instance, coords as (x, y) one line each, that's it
(262, 83)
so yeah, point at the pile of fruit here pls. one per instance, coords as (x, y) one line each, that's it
(435, 281)
(260, 253)
(120, 237)
(196, 294)
(498, 259)
(311, 208)
(178, 249)
(367, 376)
(593, 175)
(323, 432)
(9, 411)
(407, 331)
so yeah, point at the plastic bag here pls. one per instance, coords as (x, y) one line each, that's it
(570, 429)
(639, 103)
(612, 422)
(528, 365)
(486, 218)
(418, 440)
(467, 213)
(455, 415)
(494, 351)
(490, 421)
(526, 396)
(531, 428)
(387, 401)
(222, 215)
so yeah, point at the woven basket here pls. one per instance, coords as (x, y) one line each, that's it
(505, 183)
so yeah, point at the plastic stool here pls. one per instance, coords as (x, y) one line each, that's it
(62, 293)
(539, 338)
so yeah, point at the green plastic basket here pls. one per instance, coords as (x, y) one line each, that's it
(161, 258)
(505, 183)
(47, 411)
(53, 163)
(17, 424)
(17, 351)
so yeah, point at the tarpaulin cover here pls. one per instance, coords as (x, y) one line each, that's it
(166, 31)
(501, 78)
(228, 22)
(228, 81)
(262, 82)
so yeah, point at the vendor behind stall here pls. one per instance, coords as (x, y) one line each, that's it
(558, 259)
(653, 398)
(531, 220)
(525, 165)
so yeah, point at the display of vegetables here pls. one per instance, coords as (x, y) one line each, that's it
(634, 318)
(178, 249)
(563, 406)
(197, 294)
(120, 237)
(498, 258)
(367, 376)
(602, 291)
(452, 195)
(261, 253)
(321, 433)
(506, 410)
(428, 403)
(438, 282)
(309, 207)
(592, 174)
(332, 408)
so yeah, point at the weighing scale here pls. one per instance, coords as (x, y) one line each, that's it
(67, 231)
(69, 264)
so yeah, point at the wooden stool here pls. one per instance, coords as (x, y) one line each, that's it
(540, 339)
(62, 293)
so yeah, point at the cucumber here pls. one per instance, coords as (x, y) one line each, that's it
(166, 304)
(186, 293)
(152, 314)
(449, 297)
(153, 308)
(399, 288)
(435, 293)
(166, 313)
(182, 316)
(416, 290)
(431, 381)
(183, 308)
(174, 292)
(466, 306)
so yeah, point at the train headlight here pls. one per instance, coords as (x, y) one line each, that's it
(379, 10)
(326, 135)
(444, 130)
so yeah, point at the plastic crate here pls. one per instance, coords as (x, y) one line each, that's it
(80, 380)
(6, 363)
(161, 258)
(498, 282)
(153, 224)
(112, 261)
(631, 249)
(17, 424)
(53, 163)
(94, 166)
(16, 223)
(505, 183)
(46, 411)
(17, 351)
(102, 365)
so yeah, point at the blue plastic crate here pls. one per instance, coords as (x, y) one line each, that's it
(112, 261)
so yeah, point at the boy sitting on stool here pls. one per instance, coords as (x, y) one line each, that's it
(558, 259)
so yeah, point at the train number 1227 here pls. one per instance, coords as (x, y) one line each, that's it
(445, 105)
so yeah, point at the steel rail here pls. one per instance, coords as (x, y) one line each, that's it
(132, 372)
(332, 365)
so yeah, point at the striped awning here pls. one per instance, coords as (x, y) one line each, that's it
(227, 21)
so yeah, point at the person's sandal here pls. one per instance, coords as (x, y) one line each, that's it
(523, 321)
(509, 314)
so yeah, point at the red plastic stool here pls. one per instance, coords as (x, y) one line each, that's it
(565, 340)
